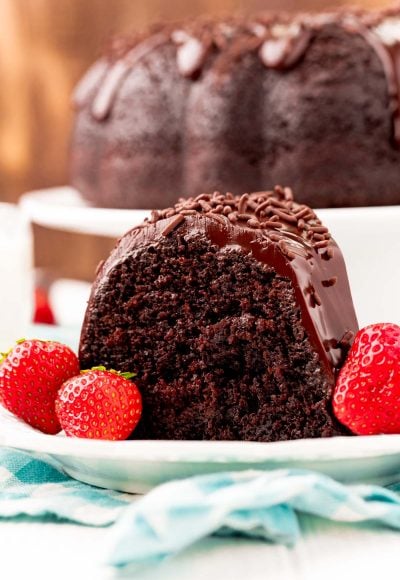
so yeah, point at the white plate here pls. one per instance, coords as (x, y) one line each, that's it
(370, 241)
(64, 209)
(137, 466)
(369, 238)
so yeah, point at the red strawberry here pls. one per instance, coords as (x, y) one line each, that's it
(367, 392)
(30, 376)
(43, 312)
(99, 404)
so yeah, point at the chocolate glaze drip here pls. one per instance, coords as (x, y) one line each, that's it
(394, 87)
(280, 233)
(86, 88)
(191, 53)
(281, 42)
(389, 55)
(108, 89)
(285, 50)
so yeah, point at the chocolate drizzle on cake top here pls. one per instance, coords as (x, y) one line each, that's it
(103, 100)
(281, 42)
(283, 46)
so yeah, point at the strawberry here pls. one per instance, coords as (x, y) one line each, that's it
(367, 393)
(30, 376)
(99, 404)
(43, 312)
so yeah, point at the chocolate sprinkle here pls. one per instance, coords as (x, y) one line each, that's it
(321, 243)
(346, 339)
(274, 237)
(286, 250)
(328, 254)
(303, 212)
(320, 229)
(217, 218)
(330, 282)
(317, 298)
(318, 237)
(331, 343)
(253, 223)
(285, 216)
(272, 224)
(243, 203)
(282, 214)
(178, 219)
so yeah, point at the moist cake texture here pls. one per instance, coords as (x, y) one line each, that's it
(235, 313)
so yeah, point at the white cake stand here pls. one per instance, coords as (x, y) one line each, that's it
(62, 208)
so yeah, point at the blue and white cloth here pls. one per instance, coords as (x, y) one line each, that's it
(146, 530)
(34, 488)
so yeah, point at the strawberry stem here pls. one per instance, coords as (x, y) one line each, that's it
(125, 375)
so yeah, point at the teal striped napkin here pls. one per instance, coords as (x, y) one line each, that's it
(173, 516)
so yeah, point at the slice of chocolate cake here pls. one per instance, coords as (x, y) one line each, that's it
(236, 314)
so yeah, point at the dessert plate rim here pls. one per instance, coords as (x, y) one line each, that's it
(14, 433)
(63, 208)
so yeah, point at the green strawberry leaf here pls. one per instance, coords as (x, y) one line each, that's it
(126, 375)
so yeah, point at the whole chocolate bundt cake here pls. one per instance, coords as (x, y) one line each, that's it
(235, 312)
(239, 105)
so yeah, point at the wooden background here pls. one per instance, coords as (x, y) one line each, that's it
(45, 46)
